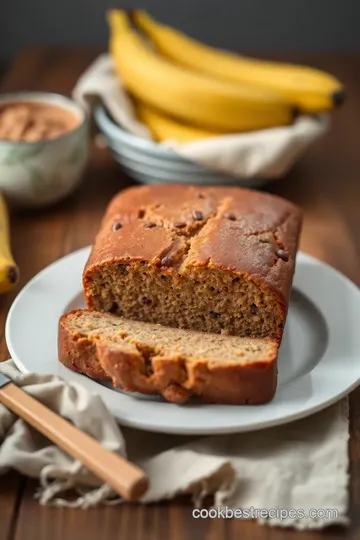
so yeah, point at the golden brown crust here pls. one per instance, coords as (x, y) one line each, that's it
(78, 353)
(241, 232)
(177, 378)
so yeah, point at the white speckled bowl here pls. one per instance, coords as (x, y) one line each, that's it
(36, 174)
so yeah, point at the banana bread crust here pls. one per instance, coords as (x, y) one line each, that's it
(228, 384)
(183, 229)
(175, 377)
(79, 354)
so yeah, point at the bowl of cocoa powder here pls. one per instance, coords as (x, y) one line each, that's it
(43, 147)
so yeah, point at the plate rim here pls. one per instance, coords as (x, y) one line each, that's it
(147, 424)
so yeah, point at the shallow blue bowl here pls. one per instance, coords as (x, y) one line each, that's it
(151, 163)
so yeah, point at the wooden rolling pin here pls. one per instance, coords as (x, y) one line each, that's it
(125, 478)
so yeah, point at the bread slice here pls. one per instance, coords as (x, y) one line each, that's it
(153, 359)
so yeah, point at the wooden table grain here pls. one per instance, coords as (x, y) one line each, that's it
(326, 184)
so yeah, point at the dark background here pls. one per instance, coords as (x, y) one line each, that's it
(248, 25)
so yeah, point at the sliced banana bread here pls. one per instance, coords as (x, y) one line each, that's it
(201, 258)
(178, 364)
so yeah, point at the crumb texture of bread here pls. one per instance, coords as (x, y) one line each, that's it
(200, 258)
(176, 363)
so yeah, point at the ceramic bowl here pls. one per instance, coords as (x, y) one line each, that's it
(41, 173)
(148, 162)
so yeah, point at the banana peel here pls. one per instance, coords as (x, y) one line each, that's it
(9, 271)
(164, 128)
(309, 90)
(185, 95)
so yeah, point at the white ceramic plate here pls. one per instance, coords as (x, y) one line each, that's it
(319, 359)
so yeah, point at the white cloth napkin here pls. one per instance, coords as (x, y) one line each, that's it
(264, 154)
(299, 466)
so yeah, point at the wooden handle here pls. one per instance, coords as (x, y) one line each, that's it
(125, 478)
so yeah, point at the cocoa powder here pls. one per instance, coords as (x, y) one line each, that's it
(29, 121)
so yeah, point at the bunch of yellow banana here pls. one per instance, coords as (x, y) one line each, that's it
(9, 272)
(190, 97)
(309, 89)
(185, 90)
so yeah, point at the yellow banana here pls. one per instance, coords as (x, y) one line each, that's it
(9, 272)
(164, 128)
(310, 90)
(192, 98)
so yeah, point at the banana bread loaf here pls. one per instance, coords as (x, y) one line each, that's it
(201, 258)
(178, 364)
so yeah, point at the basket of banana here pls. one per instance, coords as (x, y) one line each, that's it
(208, 116)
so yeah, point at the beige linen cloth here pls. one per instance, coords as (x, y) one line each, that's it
(300, 466)
(268, 153)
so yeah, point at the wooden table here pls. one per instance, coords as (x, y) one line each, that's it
(327, 186)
